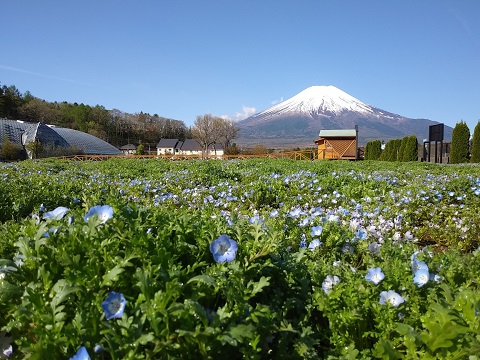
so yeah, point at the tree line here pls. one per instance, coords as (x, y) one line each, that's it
(114, 126)
(463, 148)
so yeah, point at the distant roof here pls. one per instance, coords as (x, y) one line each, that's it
(128, 147)
(191, 145)
(338, 133)
(58, 136)
(167, 143)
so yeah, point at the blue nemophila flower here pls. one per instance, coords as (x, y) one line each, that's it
(223, 248)
(361, 234)
(317, 230)
(103, 213)
(375, 275)
(314, 244)
(329, 282)
(114, 305)
(418, 265)
(391, 297)
(255, 219)
(56, 214)
(82, 354)
(98, 349)
(421, 277)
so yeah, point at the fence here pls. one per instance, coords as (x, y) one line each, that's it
(295, 155)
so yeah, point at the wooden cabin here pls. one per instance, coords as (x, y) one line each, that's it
(338, 144)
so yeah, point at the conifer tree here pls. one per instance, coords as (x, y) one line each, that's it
(373, 150)
(401, 149)
(411, 149)
(460, 143)
(476, 144)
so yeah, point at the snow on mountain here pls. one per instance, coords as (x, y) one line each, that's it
(298, 120)
(317, 100)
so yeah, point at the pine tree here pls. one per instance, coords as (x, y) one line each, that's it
(476, 144)
(373, 150)
(460, 143)
(401, 150)
(411, 149)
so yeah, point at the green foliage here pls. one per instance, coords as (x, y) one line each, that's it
(460, 144)
(269, 302)
(475, 158)
(373, 150)
(410, 152)
(11, 151)
(390, 153)
(113, 126)
(140, 150)
(402, 149)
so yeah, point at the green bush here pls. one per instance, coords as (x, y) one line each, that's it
(460, 143)
(373, 150)
(476, 144)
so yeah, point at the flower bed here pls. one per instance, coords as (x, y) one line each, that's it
(150, 259)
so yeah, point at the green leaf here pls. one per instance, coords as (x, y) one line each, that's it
(62, 289)
(8, 291)
(208, 280)
(112, 275)
(441, 328)
(258, 286)
(385, 350)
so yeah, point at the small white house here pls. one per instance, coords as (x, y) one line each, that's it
(189, 147)
(168, 147)
(128, 149)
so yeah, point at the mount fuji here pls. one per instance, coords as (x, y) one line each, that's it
(298, 120)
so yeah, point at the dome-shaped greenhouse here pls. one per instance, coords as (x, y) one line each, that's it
(56, 140)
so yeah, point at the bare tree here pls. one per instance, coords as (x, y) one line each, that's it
(226, 133)
(203, 133)
(209, 130)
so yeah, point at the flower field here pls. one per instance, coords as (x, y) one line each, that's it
(257, 259)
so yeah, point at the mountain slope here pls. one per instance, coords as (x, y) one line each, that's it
(299, 119)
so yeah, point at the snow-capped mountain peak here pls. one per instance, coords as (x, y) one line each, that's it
(320, 99)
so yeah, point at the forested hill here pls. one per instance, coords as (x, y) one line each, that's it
(114, 126)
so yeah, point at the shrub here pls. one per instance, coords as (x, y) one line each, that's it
(460, 143)
(373, 150)
(11, 151)
(410, 152)
(476, 144)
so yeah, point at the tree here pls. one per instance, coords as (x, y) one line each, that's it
(476, 144)
(401, 149)
(232, 150)
(460, 143)
(140, 150)
(203, 133)
(373, 150)
(259, 149)
(410, 153)
(227, 131)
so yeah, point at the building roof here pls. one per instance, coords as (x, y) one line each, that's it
(128, 147)
(43, 133)
(89, 144)
(21, 133)
(191, 145)
(338, 133)
(167, 143)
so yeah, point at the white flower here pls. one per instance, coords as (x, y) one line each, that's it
(329, 282)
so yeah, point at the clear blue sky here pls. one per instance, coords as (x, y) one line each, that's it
(183, 58)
